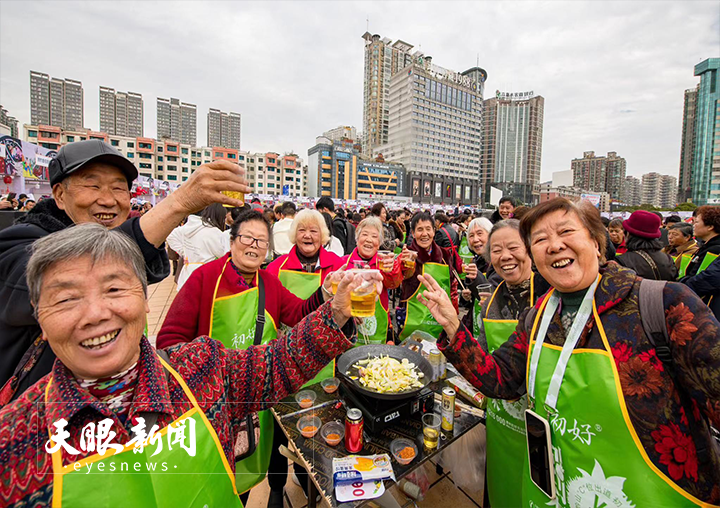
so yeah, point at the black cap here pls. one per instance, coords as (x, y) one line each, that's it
(74, 156)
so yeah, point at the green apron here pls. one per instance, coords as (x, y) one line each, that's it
(598, 457)
(179, 479)
(232, 322)
(303, 285)
(709, 258)
(684, 262)
(417, 316)
(465, 253)
(505, 425)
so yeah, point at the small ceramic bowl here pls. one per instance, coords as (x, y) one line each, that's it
(403, 446)
(305, 398)
(333, 433)
(309, 425)
(330, 385)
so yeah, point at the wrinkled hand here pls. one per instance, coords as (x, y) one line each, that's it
(466, 294)
(348, 282)
(5, 205)
(327, 284)
(205, 186)
(470, 270)
(438, 303)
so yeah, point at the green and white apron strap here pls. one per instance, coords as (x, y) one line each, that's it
(570, 342)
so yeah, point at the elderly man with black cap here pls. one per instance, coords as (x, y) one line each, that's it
(90, 182)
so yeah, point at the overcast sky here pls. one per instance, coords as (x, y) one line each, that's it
(612, 73)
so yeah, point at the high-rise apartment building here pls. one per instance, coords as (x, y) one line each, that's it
(632, 191)
(706, 146)
(121, 113)
(10, 122)
(39, 98)
(659, 190)
(687, 147)
(177, 121)
(223, 129)
(383, 58)
(55, 101)
(512, 145)
(275, 174)
(599, 173)
(435, 130)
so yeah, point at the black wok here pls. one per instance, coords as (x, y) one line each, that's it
(347, 360)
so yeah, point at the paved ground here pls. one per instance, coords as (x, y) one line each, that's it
(442, 491)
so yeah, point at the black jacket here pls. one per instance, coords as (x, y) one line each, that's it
(706, 285)
(666, 269)
(712, 245)
(447, 237)
(18, 327)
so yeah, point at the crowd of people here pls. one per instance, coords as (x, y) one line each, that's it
(606, 329)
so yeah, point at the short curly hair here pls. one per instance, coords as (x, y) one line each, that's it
(710, 216)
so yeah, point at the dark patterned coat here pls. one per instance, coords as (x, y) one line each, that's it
(650, 395)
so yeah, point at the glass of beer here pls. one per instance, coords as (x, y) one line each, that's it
(386, 260)
(484, 292)
(234, 195)
(362, 300)
(431, 430)
(409, 263)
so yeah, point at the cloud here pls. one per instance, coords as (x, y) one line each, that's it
(612, 73)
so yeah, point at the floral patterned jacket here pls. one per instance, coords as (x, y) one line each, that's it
(650, 395)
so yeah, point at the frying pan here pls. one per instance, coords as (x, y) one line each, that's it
(346, 361)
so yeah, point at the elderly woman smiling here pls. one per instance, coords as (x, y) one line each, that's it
(110, 388)
(369, 236)
(617, 402)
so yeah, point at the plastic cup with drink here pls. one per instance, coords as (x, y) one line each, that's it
(234, 195)
(484, 292)
(386, 260)
(431, 430)
(409, 260)
(362, 298)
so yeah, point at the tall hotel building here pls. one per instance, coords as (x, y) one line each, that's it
(512, 140)
(435, 130)
(177, 121)
(55, 101)
(121, 113)
(383, 58)
(702, 111)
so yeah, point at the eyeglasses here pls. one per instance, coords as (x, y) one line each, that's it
(249, 240)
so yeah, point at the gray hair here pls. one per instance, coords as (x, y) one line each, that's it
(480, 222)
(507, 223)
(371, 221)
(87, 239)
(684, 228)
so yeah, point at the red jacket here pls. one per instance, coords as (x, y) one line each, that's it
(329, 262)
(189, 314)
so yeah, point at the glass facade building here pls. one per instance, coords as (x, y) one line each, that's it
(706, 153)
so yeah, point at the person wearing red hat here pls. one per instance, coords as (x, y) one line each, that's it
(644, 249)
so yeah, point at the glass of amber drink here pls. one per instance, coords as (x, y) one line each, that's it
(234, 195)
(362, 300)
(409, 262)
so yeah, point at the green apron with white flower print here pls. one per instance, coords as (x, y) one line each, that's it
(505, 424)
(417, 316)
(232, 322)
(599, 460)
(303, 285)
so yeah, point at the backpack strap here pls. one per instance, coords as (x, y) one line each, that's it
(652, 315)
(650, 261)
